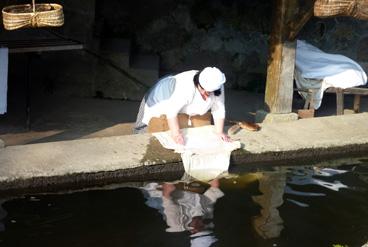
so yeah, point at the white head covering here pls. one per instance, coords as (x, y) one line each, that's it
(211, 79)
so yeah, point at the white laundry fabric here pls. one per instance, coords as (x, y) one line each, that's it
(315, 69)
(205, 156)
(4, 56)
(182, 206)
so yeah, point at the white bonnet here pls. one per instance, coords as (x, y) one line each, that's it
(211, 79)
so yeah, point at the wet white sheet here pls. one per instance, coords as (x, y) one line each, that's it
(205, 156)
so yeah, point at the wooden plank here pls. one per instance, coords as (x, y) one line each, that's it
(40, 45)
(298, 22)
(46, 48)
(351, 90)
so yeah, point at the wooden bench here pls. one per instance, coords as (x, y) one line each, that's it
(356, 91)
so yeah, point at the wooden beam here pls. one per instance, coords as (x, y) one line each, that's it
(297, 24)
(40, 45)
(281, 61)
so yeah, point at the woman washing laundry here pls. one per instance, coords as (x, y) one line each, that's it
(192, 93)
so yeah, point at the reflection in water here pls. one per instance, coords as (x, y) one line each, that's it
(317, 205)
(308, 177)
(186, 208)
(3, 214)
(273, 186)
(269, 223)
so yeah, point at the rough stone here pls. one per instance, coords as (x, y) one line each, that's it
(362, 50)
(92, 160)
(2, 144)
(266, 117)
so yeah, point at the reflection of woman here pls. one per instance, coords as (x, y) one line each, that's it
(186, 211)
(191, 92)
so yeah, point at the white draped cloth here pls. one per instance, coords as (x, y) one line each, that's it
(205, 156)
(315, 69)
(3, 79)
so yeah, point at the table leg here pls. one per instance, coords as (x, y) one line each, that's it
(339, 101)
(356, 103)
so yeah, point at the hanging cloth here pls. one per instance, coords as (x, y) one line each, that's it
(4, 52)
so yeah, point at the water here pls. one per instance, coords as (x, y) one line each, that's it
(323, 204)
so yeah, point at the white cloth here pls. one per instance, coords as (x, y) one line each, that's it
(180, 208)
(205, 156)
(4, 56)
(184, 98)
(320, 70)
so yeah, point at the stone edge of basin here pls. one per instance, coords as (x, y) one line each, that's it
(169, 171)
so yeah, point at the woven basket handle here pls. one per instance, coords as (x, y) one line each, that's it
(34, 6)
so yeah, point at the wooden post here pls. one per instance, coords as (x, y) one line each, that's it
(280, 71)
(356, 106)
(339, 101)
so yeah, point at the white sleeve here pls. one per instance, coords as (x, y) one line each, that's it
(213, 194)
(172, 215)
(182, 96)
(218, 106)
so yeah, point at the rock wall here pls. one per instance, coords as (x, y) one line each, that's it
(194, 34)
(232, 35)
(184, 34)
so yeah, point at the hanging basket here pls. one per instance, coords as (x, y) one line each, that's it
(331, 8)
(33, 15)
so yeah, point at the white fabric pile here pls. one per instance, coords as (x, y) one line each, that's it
(315, 69)
(205, 156)
(3, 78)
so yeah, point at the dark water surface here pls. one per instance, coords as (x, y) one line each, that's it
(324, 204)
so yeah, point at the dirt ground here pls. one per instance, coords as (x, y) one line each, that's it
(57, 118)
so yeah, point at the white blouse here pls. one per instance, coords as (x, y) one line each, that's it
(184, 97)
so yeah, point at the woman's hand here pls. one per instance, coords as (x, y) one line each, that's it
(176, 134)
(224, 137)
(178, 138)
(167, 189)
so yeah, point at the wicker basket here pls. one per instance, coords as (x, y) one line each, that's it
(33, 15)
(330, 8)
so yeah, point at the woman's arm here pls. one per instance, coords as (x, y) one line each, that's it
(219, 126)
(175, 130)
(218, 114)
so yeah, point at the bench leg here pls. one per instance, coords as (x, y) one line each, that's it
(339, 101)
(307, 101)
(356, 103)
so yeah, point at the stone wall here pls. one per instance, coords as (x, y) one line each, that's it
(193, 34)
(343, 35)
(232, 35)
(185, 34)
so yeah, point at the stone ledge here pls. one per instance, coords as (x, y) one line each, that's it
(266, 117)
